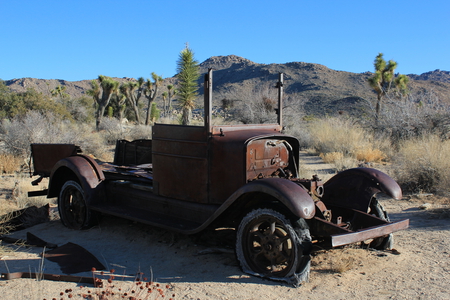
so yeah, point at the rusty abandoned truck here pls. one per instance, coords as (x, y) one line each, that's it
(189, 178)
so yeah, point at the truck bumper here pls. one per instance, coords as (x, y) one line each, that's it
(368, 233)
(359, 227)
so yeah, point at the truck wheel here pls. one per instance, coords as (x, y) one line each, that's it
(72, 206)
(384, 242)
(269, 246)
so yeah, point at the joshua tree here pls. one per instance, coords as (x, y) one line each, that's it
(384, 79)
(170, 93)
(164, 96)
(102, 95)
(59, 91)
(188, 74)
(150, 91)
(133, 92)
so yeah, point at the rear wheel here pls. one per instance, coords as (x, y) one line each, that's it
(269, 245)
(384, 242)
(72, 206)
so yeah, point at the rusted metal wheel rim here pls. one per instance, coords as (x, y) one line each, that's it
(269, 246)
(72, 205)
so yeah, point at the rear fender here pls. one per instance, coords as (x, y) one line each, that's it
(354, 188)
(81, 168)
(290, 194)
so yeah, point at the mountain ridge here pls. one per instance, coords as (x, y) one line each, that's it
(324, 90)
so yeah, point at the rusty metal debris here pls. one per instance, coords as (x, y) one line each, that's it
(69, 278)
(73, 258)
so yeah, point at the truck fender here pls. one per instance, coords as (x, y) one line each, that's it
(86, 171)
(354, 188)
(293, 196)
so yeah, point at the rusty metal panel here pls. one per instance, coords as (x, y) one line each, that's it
(97, 282)
(45, 156)
(354, 188)
(178, 132)
(180, 162)
(136, 152)
(264, 157)
(255, 128)
(228, 160)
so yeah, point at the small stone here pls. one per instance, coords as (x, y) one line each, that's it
(425, 206)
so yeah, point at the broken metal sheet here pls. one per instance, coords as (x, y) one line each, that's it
(78, 279)
(73, 258)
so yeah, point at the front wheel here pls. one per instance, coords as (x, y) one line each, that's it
(72, 206)
(383, 242)
(269, 246)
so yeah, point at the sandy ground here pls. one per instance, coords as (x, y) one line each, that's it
(205, 267)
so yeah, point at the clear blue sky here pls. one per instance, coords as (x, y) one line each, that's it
(76, 40)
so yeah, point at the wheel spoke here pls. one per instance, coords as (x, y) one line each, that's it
(258, 234)
(272, 227)
(284, 239)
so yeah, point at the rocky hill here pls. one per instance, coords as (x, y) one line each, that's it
(322, 89)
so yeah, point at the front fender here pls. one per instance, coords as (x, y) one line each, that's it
(293, 196)
(82, 168)
(354, 188)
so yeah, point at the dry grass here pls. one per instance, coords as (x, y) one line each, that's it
(10, 163)
(370, 155)
(19, 193)
(423, 165)
(340, 138)
(347, 162)
(337, 135)
(15, 197)
(339, 161)
(331, 157)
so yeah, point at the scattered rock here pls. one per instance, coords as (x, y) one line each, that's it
(425, 206)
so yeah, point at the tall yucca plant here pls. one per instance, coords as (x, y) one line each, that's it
(188, 74)
(383, 79)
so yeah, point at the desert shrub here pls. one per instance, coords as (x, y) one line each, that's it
(423, 164)
(345, 136)
(139, 132)
(34, 127)
(9, 163)
(81, 109)
(251, 105)
(414, 115)
(337, 135)
(92, 142)
(18, 104)
(112, 130)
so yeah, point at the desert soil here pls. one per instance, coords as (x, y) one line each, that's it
(205, 267)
